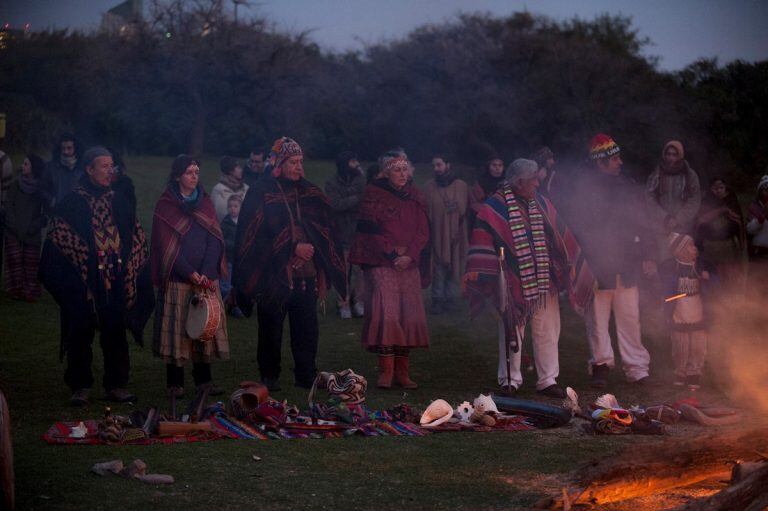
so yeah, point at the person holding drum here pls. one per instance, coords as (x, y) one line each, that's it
(187, 263)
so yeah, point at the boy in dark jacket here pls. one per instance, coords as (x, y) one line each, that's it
(684, 277)
(229, 230)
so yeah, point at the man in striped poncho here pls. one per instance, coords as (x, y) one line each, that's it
(520, 256)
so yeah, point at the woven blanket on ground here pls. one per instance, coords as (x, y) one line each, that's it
(58, 434)
(225, 426)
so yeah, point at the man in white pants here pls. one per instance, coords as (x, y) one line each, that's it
(518, 260)
(609, 219)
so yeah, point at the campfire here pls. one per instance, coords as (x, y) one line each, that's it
(715, 472)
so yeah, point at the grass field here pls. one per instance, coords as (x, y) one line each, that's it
(442, 471)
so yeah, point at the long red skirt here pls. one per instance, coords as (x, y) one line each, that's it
(394, 309)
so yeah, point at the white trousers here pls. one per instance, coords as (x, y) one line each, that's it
(545, 330)
(625, 304)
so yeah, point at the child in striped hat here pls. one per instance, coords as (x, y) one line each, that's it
(685, 275)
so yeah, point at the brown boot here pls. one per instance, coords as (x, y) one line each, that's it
(386, 370)
(401, 373)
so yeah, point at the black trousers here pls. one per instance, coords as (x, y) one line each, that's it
(301, 309)
(174, 375)
(81, 327)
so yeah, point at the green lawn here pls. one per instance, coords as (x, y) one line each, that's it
(442, 471)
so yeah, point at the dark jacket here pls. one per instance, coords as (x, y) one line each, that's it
(229, 230)
(345, 192)
(608, 217)
(24, 215)
(58, 181)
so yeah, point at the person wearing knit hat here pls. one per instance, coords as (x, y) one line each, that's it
(672, 195)
(230, 183)
(287, 254)
(606, 212)
(283, 149)
(685, 278)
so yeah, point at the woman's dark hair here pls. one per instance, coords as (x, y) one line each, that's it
(371, 172)
(179, 166)
(715, 179)
(117, 161)
(38, 165)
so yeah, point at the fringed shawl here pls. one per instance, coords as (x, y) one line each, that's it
(492, 231)
(170, 223)
(264, 246)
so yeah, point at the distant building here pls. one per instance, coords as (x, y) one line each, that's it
(7, 34)
(124, 19)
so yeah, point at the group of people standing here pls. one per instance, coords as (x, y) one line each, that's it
(267, 238)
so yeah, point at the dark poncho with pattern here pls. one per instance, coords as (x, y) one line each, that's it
(70, 266)
(265, 245)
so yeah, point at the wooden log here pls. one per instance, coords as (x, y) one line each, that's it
(671, 464)
(169, 428)
(751, 493)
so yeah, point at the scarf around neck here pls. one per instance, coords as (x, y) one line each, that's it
(531, 252)
(232, 182)
(68, 161)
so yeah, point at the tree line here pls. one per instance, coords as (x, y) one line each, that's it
(191, 78)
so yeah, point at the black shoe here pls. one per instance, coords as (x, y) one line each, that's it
(273, 384)
(120, 395)
(80, 397)
(645, 381)
(600, 376)
(553, 391)
(507, 391)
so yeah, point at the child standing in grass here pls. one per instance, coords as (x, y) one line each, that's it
(684, 277)
(23, 223)
(229, 230)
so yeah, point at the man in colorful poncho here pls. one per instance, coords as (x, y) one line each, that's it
(538, 250)
(94, 263)
(287, 253)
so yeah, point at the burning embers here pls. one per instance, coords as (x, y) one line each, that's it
(732, 469)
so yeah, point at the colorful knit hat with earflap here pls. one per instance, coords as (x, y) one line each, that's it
(678, 241)
(602, 146)
(282, 149)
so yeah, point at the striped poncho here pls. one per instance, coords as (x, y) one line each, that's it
(540, 253)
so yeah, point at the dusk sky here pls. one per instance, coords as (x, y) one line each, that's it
(681, 31)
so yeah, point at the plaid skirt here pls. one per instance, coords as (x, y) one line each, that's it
(170, 341)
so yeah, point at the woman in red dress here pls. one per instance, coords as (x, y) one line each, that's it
(391, 247)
